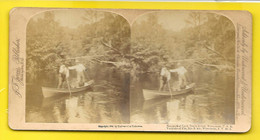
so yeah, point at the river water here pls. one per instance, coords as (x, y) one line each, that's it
(85, 107)
(212, 102)
(106, 102)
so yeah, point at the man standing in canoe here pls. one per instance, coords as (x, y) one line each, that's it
(165, 77)
(80, 68)
(181, 71)
(63, 75)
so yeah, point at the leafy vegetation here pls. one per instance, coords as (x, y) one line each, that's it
(106, 43)
(208, 40)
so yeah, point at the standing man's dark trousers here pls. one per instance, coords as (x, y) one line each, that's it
(163, 83)
(62, 79)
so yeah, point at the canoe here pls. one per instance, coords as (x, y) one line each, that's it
(50, 92)
(151, 94)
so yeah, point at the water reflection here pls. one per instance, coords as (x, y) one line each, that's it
(88, 107)
(211, 103)
(207, 104)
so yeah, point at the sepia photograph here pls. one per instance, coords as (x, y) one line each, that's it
(187, 68)
(130, 70)
(74, 71)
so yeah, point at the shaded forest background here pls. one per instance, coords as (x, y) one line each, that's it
(96, 44)
(108, 46)
(206, 43)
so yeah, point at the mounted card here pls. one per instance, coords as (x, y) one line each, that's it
(130, 70)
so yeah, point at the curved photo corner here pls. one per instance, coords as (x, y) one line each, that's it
(187, 72)
(74, 69)
(130, 70)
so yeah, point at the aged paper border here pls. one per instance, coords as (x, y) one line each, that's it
(19, 18)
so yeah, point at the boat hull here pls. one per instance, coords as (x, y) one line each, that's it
(50, 92)
(151, 94)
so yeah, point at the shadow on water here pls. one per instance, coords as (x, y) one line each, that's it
(210, 103)
(83, 107)
(107, 102)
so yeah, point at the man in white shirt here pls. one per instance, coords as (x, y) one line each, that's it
(80, 68)
(63, 75)
(165, 77)
(181, 71)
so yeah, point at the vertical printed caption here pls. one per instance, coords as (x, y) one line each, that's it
(242, 64)
(18, 74)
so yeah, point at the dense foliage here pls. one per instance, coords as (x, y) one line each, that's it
(103, 40)
(207, 41)
(106, 42)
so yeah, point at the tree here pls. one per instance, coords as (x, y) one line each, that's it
(44, 45)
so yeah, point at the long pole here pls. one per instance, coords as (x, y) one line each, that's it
(168, 83)
(68, 85)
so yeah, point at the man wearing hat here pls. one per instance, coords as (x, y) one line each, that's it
(165, 77)
(181, 71)
(80, 68)
(63, 75)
